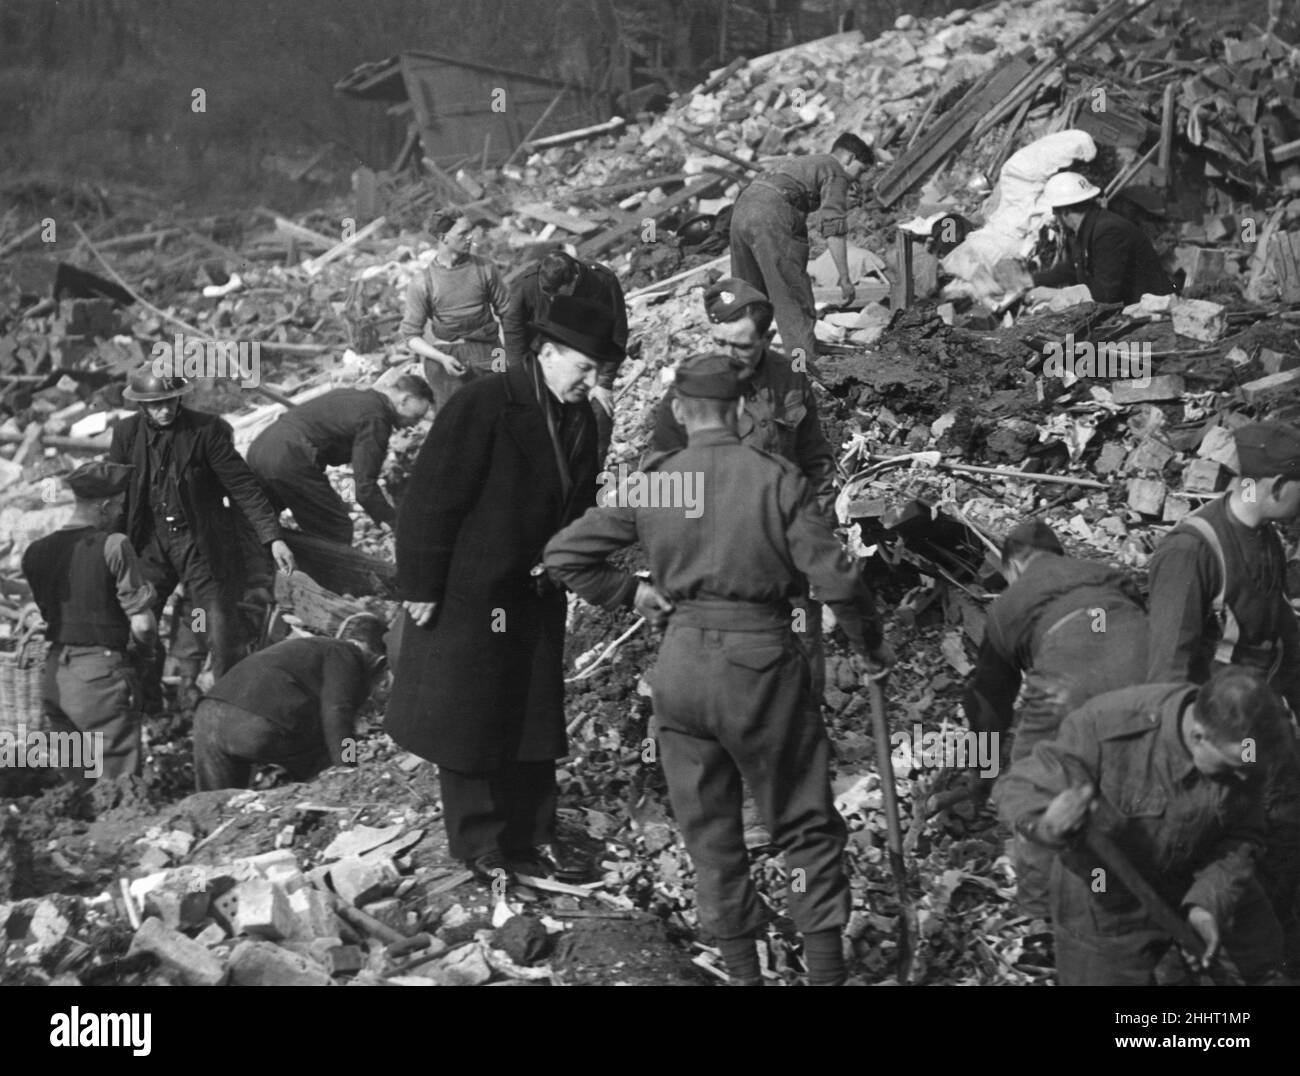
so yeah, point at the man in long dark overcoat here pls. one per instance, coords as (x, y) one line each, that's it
(479, 683)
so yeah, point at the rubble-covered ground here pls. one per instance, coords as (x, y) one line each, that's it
(242, 887)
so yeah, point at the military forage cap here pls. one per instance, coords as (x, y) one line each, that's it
(710, 376)
(92, 481)
(1268, 449)
(729, 296)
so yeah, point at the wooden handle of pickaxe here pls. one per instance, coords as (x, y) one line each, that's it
(1114, 860)
(893, 827)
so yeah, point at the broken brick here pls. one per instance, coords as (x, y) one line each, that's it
(315, 918)
(1111, 458)
(1277, 362)
(1200, 320)
(1176, 507)
(1267, 390)
(180, 909)
(344, 959)
(1204, 476)
(1146, 495)
(1151, 454)
(193, 964)
(1164, 387)
(263, 911)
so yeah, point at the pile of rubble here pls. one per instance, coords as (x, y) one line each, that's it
(953, 422)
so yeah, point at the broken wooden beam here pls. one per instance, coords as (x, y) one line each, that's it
(318, 609)
(718, 151)
(343, 569)
(951, 129)
(314, 265)
(581, 134)
(600, 243)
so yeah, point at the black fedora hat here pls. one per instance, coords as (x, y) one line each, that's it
(582, 324)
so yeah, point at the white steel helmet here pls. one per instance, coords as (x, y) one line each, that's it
(1066, 189)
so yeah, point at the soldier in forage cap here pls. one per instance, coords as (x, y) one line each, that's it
(778, 414)
(1219, 597)
(730, 686)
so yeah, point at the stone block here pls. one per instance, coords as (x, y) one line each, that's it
(1164, 387)
(315, 918)
(1146, 495)
(1204, 476)
(1271, 389)
(357, 881)
(1277, 362)
(179, 909)
(1111, 458)
(1151, 454)
(1176, 507)
(344, 959)
(1197, 319)
(263, 911)
(260, 963)
(193, 963)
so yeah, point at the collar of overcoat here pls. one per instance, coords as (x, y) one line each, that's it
(526, 422)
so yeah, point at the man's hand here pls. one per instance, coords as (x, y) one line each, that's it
(450, 363)
(283, 557)
(144, 628)
(650, 604)
(847, 291)
(875, 664)
(1065, 814)
(1204, 923)
(605, 398)
(420, 612)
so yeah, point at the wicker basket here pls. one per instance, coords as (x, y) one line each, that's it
(21, 671)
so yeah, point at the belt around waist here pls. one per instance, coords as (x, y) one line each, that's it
(67, 651)
(722, 615)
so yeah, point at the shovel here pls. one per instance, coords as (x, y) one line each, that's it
(893, 827)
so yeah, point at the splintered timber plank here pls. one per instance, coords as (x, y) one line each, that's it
(951, 129)
(1284, 254)
(320, 610)
(341, 568)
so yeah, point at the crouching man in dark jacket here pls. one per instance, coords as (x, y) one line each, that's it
(290, 705)
(1175, 769)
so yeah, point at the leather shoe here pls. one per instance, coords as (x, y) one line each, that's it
(491, 867)
(553, 861)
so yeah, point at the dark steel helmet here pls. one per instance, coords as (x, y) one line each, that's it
(147, 387)
(697, 229)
